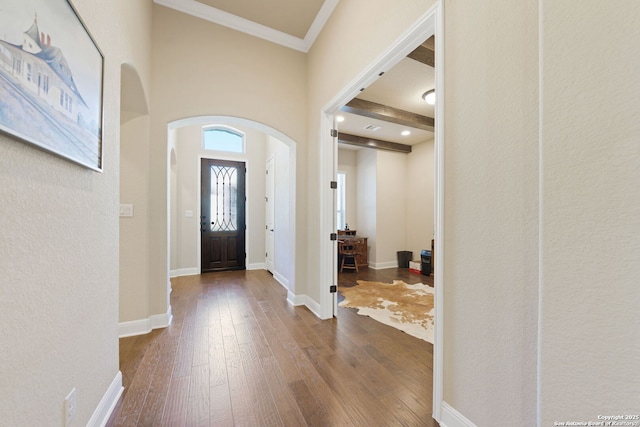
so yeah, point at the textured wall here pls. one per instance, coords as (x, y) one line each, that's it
(366, 198)
(420, 198)
(134, 234)
(59, 251)
(347, 164)
(491, 210)
(590, 326)
(212, 70)
(391, 207)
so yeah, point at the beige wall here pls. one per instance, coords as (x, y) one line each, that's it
(59, 250)
(514, 252)
(491, 210)
(391, 207)
(393, 195)
(590, 210)
(420, 188)
(347, 164)
(366, 199)
(134, 235)
(211, 70)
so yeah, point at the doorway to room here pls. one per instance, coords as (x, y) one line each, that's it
(430, 24)
(186, 149)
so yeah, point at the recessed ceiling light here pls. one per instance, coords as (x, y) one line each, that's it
(430, 97)
(339, 119)
(406, 133)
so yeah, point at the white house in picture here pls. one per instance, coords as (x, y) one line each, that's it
(40, 72)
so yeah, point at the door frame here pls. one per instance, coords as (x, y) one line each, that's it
(270, 181)
(430, 23)
(217, 159)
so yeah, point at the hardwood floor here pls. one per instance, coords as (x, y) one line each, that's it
(238, 354)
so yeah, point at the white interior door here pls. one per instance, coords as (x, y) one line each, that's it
(270, 214)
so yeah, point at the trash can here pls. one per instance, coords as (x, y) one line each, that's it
(403, 258)
(425, 262)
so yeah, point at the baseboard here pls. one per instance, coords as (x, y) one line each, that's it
(296, 300)
(144, 326)
(281, 279)
(383, 265)
(184, 272)
(452, 418)
(107, 403)
(313, 306)
(257, 266)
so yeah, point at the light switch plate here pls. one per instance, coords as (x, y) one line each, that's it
(126, 210)
(188, 214)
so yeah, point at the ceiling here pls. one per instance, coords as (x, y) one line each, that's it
(401, 87)
(293, 17)
(291, 23)
(296, 24)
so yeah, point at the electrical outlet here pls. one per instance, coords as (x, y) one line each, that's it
(70, 407)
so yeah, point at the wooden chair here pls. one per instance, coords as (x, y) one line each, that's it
(349, 251)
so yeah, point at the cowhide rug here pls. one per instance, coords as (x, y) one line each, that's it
(406, 307)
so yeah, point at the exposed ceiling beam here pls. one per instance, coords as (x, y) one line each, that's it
(425, 53)
(430, 43)
(388, 114)
(360, 141)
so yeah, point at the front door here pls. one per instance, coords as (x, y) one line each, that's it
(222, 215)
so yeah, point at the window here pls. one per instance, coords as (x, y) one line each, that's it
(223, 139)
(341, 201)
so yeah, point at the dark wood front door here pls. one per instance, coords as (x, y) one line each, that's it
(222, 216)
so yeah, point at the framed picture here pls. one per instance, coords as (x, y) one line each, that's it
(51, 78)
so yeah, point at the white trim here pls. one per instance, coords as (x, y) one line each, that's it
(430, 23)
(144, 326)
(281, 279)
(193, 271)
(438, 333)
(422, 29)
(313, 306)
(453, 418)
(383, 265)
(257, 266)
(108, 402)
(327, 259)
(226, 19)
(318, 24)
(296, 300)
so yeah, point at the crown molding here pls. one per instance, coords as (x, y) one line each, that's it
(318, 24)
(220, 17)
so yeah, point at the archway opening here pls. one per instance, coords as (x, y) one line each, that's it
(185, 142)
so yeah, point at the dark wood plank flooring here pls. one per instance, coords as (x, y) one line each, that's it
(238, 354)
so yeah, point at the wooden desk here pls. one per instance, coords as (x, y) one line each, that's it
(361, 242)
